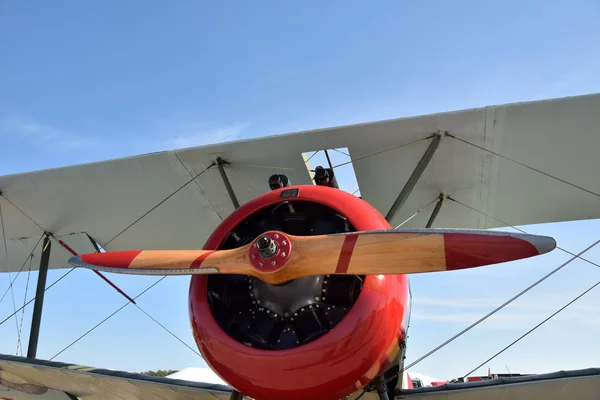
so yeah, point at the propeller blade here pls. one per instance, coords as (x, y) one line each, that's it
(277, 257)
(166, 262)
(427, 250)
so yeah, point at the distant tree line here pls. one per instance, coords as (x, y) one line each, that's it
(160, 372)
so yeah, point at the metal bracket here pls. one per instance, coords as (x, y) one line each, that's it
(234, 200)
(414, 177)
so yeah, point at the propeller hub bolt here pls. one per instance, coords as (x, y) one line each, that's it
(266, 246)
(270, 251)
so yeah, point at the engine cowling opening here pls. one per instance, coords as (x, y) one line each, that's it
(277, 317)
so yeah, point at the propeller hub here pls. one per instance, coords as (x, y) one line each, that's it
(270, 251)
(266, 246)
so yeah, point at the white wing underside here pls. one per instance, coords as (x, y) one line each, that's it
(558, 137)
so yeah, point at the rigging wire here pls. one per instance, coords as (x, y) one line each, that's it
(106, 319)
(532, 329)
(30, 301)
(166, 329)
(313, 154)
(151, 286)
(114, 237)
(160, 203)
(518, 229)
(418, 211)
(343, 152)
(339, 165)
(12, 291)
(19, 345)
(494, 311)
(22, 212)
(524, 165)
(385, 150)
(22, 266)
(65, 246)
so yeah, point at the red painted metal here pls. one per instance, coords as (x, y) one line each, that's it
(340, 362)
(281, 257)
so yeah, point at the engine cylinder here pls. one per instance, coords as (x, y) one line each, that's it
(318, 337)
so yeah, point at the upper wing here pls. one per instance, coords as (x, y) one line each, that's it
(25, 379)
(549, 142)
(563, 385)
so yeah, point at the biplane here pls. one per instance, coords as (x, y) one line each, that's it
(298, 289)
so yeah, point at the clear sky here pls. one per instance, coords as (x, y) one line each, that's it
(82, 81)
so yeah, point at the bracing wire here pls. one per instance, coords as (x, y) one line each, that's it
(166, 329)
(12, 291)
(31, 300)
(151, 286)
(19, 345)
(107, 318)
(114, 237)
(418, 211)
(524, 165)
(22, 266)
(342, 152)
(384, 151)
(500, 307)
(518, 229)
(312, 155)
(575, 256)
(160, 203)
(532, 329)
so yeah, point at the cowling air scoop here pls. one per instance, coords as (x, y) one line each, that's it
(277, 257)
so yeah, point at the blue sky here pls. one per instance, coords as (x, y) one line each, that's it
(84, 82)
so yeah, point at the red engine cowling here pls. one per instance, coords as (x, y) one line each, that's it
(313, 338)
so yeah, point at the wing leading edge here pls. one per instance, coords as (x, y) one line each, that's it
(23, 379)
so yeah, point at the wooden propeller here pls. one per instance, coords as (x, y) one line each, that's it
(276, 257)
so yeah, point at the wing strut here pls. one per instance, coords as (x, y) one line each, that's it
(232, 196)
(435, 211)
(39, 298)
(414, 177)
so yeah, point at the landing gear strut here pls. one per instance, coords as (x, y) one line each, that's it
(382, 391)
(235, 395)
